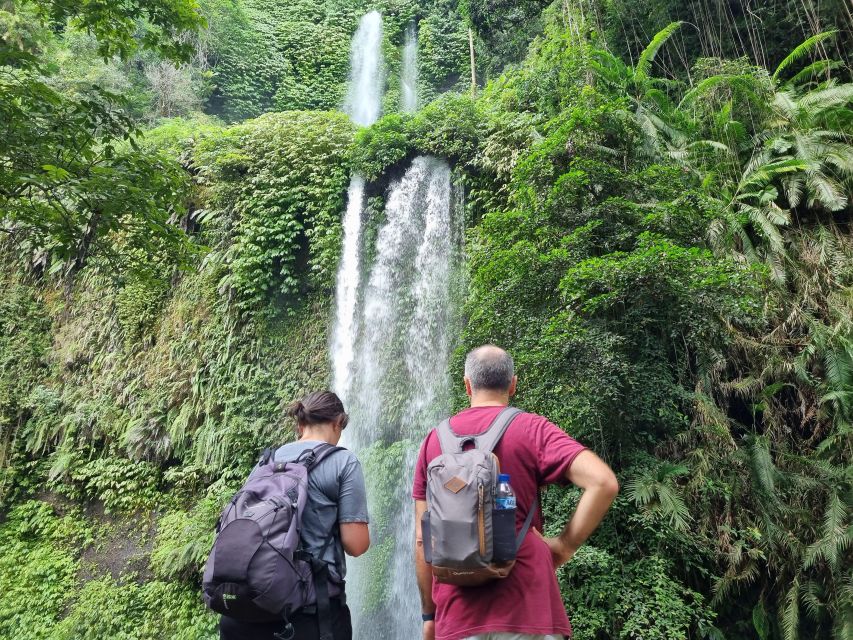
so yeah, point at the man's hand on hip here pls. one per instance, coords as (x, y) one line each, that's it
(561, 552)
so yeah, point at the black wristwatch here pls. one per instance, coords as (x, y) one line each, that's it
(428, 617)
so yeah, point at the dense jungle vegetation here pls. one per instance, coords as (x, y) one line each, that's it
(657, 203)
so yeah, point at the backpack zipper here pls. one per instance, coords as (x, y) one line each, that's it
(481, 521)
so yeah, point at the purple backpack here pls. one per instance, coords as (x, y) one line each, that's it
(257, 570)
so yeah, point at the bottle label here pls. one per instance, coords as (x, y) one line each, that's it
(505, 502)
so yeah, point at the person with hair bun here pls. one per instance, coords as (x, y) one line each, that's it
(337, 504)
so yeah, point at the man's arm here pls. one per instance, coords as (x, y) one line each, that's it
(590, 473)
(423, 571)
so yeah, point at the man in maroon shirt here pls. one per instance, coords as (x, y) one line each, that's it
(527, 604)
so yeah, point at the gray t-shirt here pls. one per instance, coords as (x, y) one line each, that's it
(336, 494)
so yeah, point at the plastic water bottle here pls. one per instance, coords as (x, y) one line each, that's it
(503, 521)
(504, 495)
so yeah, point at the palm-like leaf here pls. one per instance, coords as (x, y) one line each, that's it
(644, 63)
(801, 51)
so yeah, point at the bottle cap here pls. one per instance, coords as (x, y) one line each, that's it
(503, 477)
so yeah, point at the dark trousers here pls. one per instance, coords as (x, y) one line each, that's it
(305, 626)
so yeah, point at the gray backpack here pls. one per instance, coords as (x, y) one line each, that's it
(257, 570)
(466, 540)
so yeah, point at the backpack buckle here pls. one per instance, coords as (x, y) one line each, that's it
(287, 633)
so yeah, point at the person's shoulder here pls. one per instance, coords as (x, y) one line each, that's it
(528, 418)
(534, 425)
(289, 450)
(345, 456)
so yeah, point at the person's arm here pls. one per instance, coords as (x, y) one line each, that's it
(355, 537)
(599, 484)
(352, 509)
(423, 571)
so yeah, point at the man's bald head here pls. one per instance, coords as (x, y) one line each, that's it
(489, 368)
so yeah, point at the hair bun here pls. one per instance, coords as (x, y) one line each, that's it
(317, 407)
(297, 410)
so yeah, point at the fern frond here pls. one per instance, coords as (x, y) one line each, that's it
(644, 63)
(822, 100)
(791, 612)
(817, 68)
(801, 50)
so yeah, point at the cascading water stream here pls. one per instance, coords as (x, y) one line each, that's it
(346, 293)
(366, 82)
(400, 386)
(409, 70)
(391, 342)
(363, 107)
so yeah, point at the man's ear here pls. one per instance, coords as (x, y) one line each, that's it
(512, 386)
(468, 389)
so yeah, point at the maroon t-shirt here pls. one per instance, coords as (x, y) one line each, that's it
(534, 452)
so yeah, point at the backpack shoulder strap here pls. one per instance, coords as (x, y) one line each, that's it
(486, 441)
(267, 455)
(315, 456)
(447, 439)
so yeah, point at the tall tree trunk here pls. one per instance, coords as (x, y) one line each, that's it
(83, 249)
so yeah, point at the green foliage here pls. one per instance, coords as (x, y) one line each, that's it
(121, 484)
(165, 24)
(506, 28)
(71, 190)
(664, 253)
(382, 145)
(38, 569)
(715, 30)
(24, 341)
(106, 608)
(442, 50)
(292, 193)
(184, 538)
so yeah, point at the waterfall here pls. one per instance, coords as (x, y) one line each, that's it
(366, 82)
(363, 106)
(400, 387)
(409, 72)
(391, 342)
(343, 335)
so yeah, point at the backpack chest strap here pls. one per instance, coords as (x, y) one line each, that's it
(486, 441)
